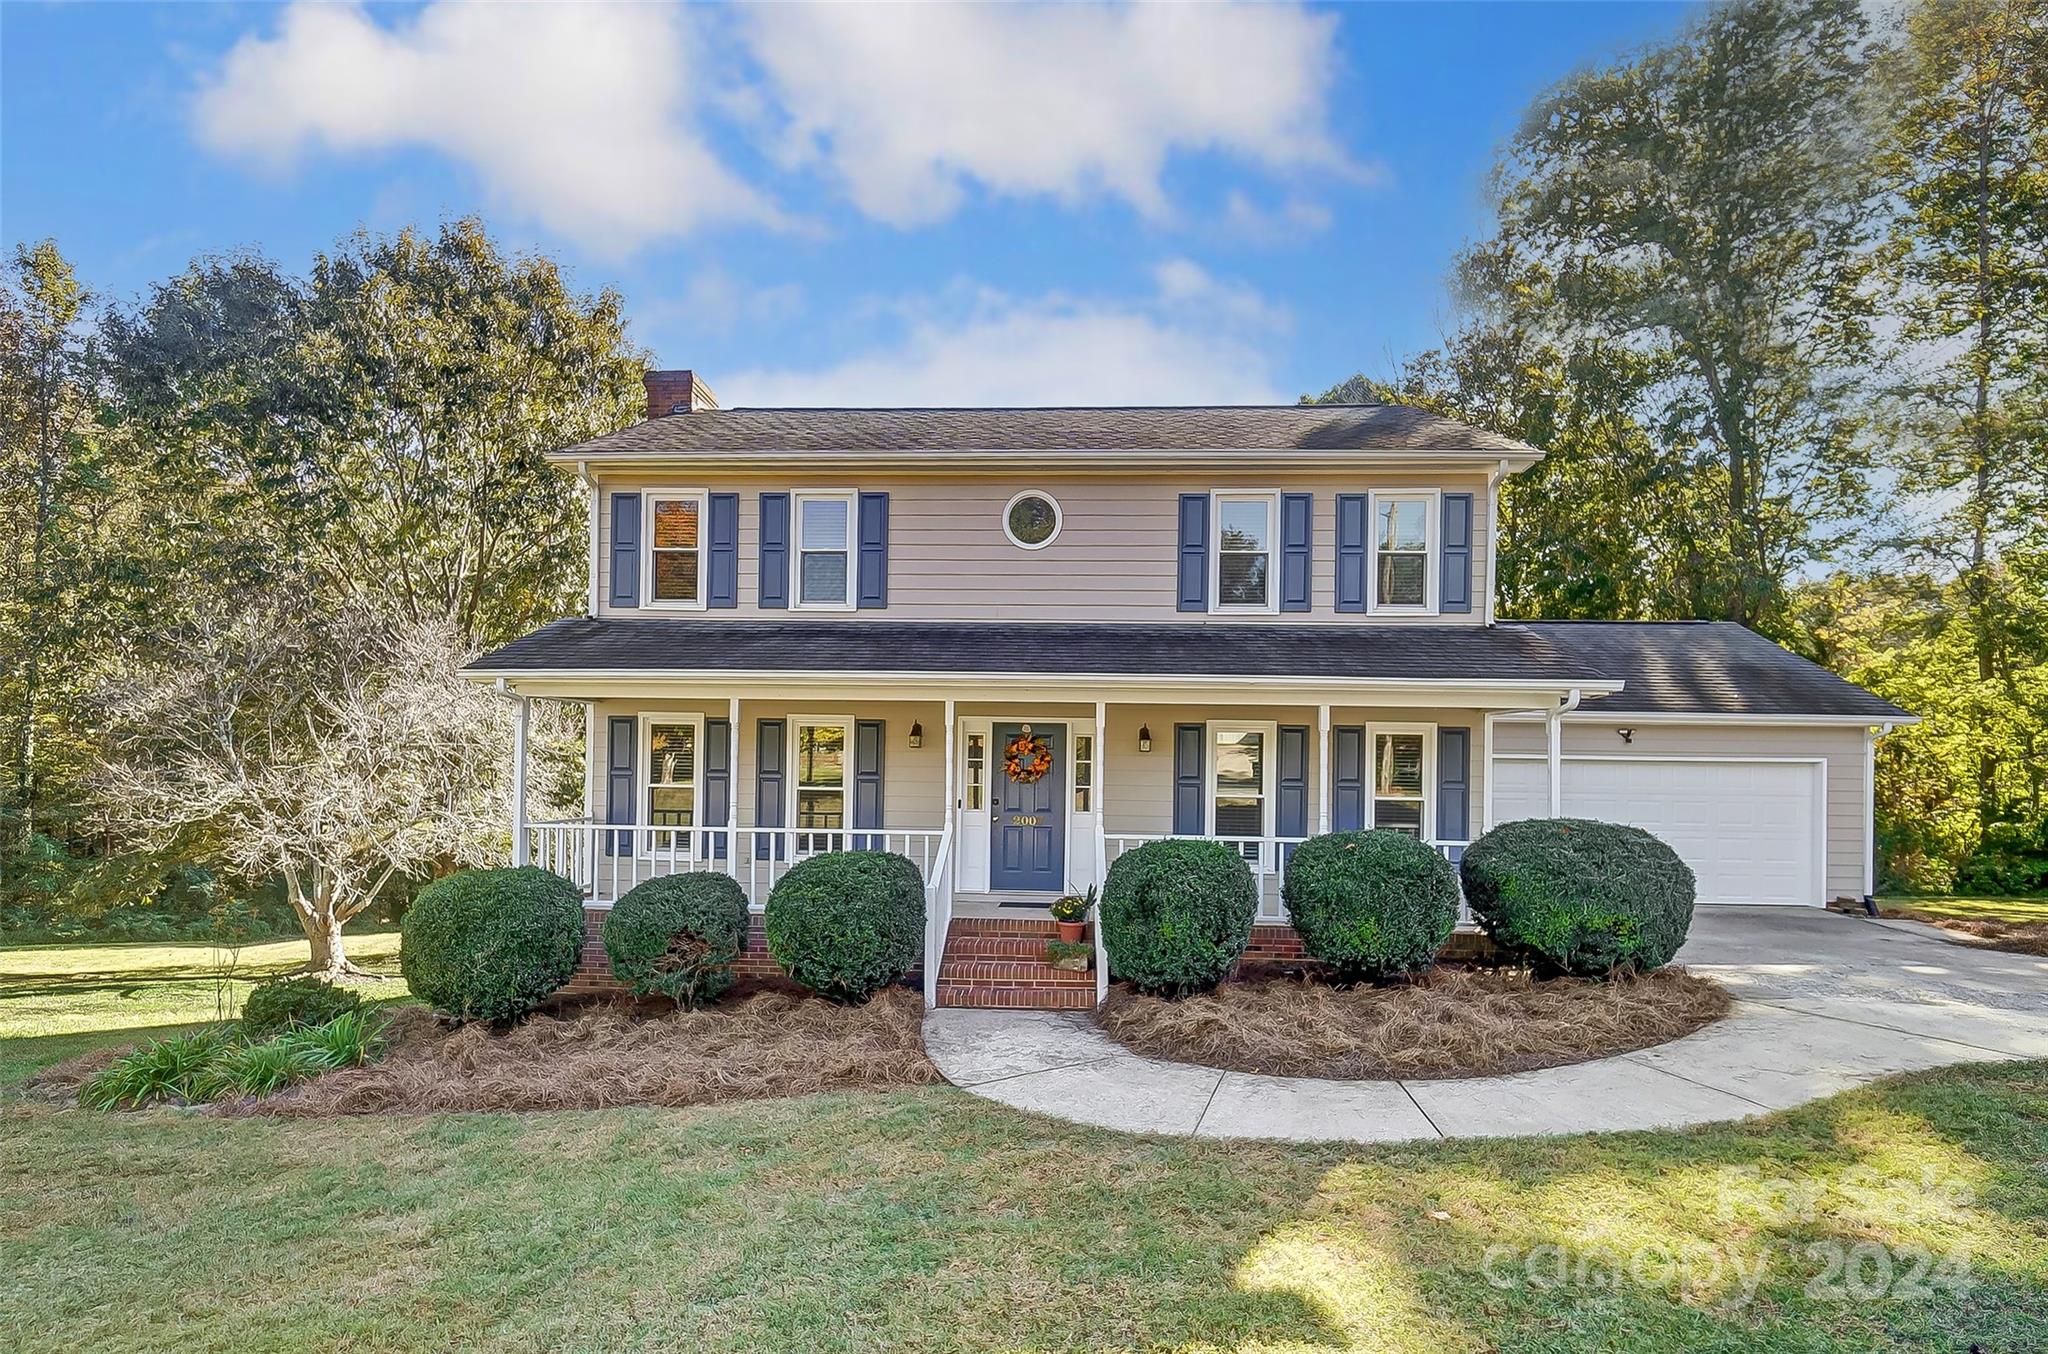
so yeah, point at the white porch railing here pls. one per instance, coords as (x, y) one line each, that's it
(1267, 857)
(606, 860)
(938, 914)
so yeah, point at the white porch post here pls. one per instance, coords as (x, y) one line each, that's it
(1554, 723)
(1101, 846)
(1323, 768)
(521, 853)
(732, 785)
(952, 791)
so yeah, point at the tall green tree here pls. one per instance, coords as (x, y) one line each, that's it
(1707, 206)
(382, 422)
(1966, 157)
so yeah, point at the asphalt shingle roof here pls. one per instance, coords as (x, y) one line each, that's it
(1286, 427)
(1685, 667)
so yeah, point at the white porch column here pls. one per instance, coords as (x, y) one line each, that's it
(732, 785)
(1323, 768)
(1554, 724)
(521, 853)
(1101, 782)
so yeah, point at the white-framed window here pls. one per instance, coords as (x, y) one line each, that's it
(1241, 782)
(824, 526)
(1403, 778)
(673, 575)
(1244, 572)
(977, 768)
(1032, 519)
(820, 781)
(1404, 540)
(1084, 772)
(672, 770)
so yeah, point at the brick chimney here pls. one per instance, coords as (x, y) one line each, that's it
(676, 392)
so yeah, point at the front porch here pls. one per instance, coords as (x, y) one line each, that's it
(1005, 804)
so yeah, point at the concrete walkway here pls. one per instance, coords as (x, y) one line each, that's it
(1823, 1002)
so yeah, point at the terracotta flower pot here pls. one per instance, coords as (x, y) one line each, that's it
(1070, 931)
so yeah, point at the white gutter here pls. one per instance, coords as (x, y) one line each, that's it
(809, 676)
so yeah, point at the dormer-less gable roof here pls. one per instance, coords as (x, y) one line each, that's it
(1264, 433)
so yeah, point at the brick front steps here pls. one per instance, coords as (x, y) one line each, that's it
(1000, 962)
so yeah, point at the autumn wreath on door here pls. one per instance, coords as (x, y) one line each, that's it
(1027, 757)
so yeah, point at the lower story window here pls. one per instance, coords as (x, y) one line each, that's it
(1398, 780)
(820, 784)
(671, 776)
(1238, 766)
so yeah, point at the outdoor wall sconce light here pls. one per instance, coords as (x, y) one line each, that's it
(916, 734)
(1627, 735)
(1144, 738)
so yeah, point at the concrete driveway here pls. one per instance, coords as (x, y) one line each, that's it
(1823, 1002)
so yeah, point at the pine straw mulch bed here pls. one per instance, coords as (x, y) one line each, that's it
(2020, 937)
(1448, 1023)
(772, 1043)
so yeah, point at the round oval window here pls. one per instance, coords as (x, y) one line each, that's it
(1032, 520)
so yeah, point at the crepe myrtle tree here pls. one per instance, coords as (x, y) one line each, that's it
(334, 753)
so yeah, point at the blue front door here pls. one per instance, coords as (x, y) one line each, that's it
(1028, 820)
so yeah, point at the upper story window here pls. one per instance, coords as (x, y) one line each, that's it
(1244, 574)
(1404, 551)
(1032, 519)
(824, 546)
(675, 555)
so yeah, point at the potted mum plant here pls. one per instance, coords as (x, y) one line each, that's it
(1070, 914)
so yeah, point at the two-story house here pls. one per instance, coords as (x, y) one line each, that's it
(1013, 643)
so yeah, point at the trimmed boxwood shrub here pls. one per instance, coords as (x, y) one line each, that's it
(1575, 896)
(678, 936)
(1175, 915)
(846, 924)
(491, 944)
(1370, 904)
(293, 1004)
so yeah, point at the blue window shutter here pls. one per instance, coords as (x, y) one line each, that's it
(868, 740)
(1454, 785)
(625, 550)
(717, 781)
(874, 551)
(1290, 808)
(774, 550)
(1347, 768)
(769, 737)
(1351, 535)
(1454, 587)
(621, 758)
(1194, 552)
(1297, 549)
(722, 573)
(1190, 802)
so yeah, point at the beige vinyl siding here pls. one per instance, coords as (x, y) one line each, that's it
(1115, 558)
(1839, 746)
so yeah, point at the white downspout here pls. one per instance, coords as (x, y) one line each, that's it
(1554, 724)
(1493, 483)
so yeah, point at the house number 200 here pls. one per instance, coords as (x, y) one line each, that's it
(1024, 820)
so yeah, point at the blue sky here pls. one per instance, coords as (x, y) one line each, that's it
(853, 205)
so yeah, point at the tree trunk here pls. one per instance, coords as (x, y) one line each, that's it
(323, 935)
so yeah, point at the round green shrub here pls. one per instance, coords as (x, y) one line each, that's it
(294, 1004)
(1370, 904)
(1574, 896)
(846, 924)
(678, 937)
(1175, 915)
(491, 944)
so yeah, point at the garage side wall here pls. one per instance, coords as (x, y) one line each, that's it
(1840, 746)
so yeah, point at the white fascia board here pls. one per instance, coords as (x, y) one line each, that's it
(1597, 716)
(996, 461)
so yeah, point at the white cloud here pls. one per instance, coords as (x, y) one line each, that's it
(718, 302)
(909, 104)
(577, 115)
(1194, 341)
(1291, 219)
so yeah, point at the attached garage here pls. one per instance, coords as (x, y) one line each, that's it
(1752, 829)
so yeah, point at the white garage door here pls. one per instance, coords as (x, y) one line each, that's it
(1750, 830)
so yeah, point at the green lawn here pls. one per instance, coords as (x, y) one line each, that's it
(926, 1220)
(1971, 909)
(61, 1000)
